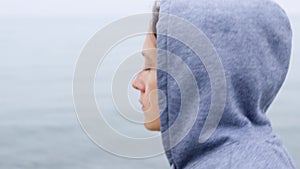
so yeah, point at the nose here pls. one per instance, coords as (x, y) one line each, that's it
(138, 84)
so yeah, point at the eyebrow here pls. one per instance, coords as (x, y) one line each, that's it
(144, 54)
(149, 60)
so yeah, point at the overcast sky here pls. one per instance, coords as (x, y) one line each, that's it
(90, 8)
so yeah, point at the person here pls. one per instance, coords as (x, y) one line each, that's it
(253, 41)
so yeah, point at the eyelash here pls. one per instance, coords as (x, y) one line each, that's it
(147, 69)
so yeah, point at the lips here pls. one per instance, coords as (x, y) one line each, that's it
(141, 103)
(143, 107)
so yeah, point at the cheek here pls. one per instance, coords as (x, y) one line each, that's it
(153, 80)
(151, 83)
(151, 87)
(152, 93)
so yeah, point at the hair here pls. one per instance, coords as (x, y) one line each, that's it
(155, 17)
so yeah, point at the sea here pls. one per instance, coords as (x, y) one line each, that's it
(39, 128)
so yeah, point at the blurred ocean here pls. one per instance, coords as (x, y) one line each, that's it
(38, 123)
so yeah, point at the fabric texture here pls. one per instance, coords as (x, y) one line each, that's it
(253, 41)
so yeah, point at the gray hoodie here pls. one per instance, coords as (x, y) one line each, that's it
(219, 69)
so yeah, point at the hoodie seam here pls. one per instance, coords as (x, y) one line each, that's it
(167, 82)
(234, 144)
(271, 144)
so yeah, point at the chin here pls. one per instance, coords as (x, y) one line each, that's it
(152, 127)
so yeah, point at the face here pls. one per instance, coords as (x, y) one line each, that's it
(146, 83)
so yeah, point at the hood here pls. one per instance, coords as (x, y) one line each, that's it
(220, 66)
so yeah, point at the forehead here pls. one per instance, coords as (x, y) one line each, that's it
(149, 50)
(150, 41)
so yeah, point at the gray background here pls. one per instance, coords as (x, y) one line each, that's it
(38, 124)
